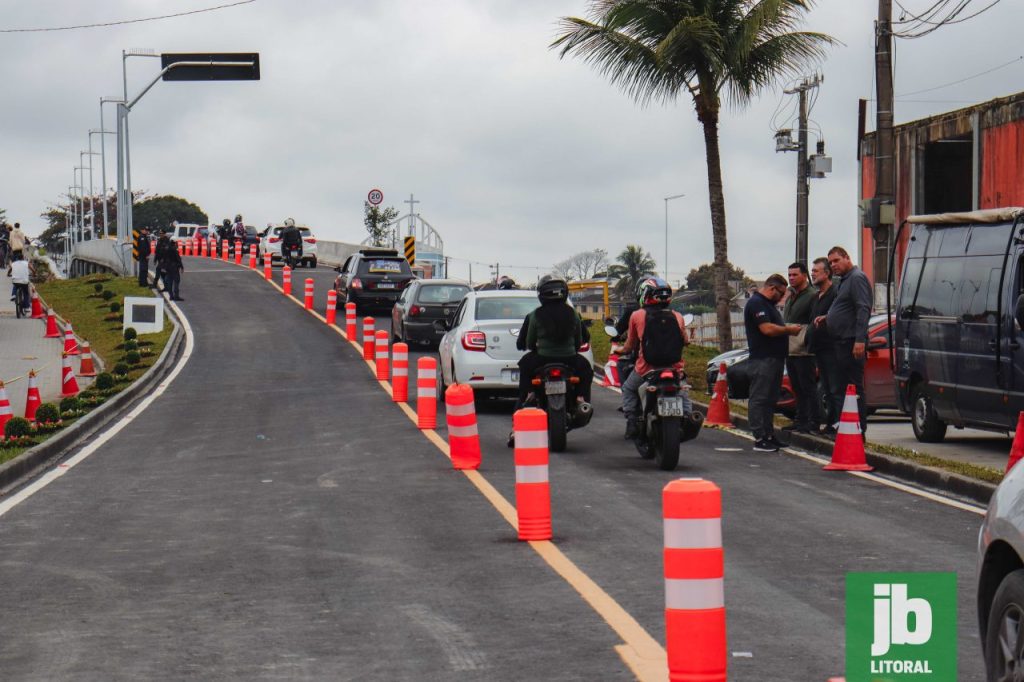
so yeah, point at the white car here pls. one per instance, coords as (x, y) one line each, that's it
(271, 243)
(479, 347)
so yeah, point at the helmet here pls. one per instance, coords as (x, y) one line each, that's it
(506, 283)
(227, 222)
(289, 222)
(652, 291)
(552, 289)
(238, 217)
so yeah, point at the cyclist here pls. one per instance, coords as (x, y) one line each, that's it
(20, 273)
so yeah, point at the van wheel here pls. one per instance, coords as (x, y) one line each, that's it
(928, 428)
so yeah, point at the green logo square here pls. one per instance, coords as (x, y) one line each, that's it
(900, 626)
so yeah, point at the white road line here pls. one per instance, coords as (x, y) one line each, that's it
(55, 473)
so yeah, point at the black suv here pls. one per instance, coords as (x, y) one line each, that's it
(372, 277)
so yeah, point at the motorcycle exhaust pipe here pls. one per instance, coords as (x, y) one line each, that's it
(584, 412)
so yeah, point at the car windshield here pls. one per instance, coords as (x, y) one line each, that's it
(442, 293)
(304, 231)
(510, 308)
(385, 266)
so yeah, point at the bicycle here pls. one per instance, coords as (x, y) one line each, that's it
(22, 300)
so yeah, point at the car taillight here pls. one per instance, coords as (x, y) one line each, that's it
(584, 348)
(273, 240)
(356, 284)
(310, 240)
(474, 341)
(416, 310)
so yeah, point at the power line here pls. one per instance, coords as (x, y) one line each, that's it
(930, 18)
(125, 21)
(963, 80)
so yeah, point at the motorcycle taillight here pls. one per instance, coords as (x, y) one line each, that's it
(556, 373)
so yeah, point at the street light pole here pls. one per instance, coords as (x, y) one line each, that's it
(103, 150)
(668, 199)
(103, 170)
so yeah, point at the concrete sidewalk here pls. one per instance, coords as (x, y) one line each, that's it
(22, 348)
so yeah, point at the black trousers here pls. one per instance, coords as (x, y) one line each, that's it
(144, 272)
(850, 371)
(532, 361)
(835, 389)
(805, 387)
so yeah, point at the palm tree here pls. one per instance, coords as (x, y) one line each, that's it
(633, 265)
(656, 49)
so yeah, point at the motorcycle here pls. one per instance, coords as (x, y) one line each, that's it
(292, 256)
(555, 393)
(619, 365)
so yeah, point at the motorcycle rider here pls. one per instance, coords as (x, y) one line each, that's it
(291, 238)
(238, 232)
(654, 295)
(506, 283)
(223, 232)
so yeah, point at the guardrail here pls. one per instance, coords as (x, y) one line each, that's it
(101, 254)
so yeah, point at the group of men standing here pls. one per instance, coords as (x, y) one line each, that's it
(167, 261)
(820, 335)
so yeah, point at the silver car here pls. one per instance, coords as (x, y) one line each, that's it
(1001, 579)
(479, 347)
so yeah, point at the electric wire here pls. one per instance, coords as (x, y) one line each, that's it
(962, 80)
(125, 21)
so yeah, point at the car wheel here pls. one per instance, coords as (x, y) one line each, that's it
(312, 263)
(928, 428)
(1004, 639)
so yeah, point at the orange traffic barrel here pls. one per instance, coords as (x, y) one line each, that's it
(381, 354)
(286, 280)
(350, 321)
(694, 581)
(332, 306)
(6, 413)
(33, 400)
(533, 489)
(252, 256)
(238, 252)
(86, 368)
(400, 372)
(463, 436)
(224, 249)
(68, 383)
(51, 325)
(308, 294)
(426, 393)
(267, 272)
(213, 247)
(368, 330)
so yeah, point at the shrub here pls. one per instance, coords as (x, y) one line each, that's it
(108, 294)
(97, 287)
(47, 413)
(131, 345)
(132, 357)
(120, 369)
(18, 427)
(115, 307)
(130, 334)
(70, 404)
(104, 381)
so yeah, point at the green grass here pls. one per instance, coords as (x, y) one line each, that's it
(976, 471)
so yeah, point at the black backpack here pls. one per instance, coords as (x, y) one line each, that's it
(663, 339)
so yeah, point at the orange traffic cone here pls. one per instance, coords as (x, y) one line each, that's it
(70, 343)
(848, 453)
(718, 410)
(51, 325)
(68, 383)
(37, 306)
(33, 400)
(6, 413)
(1017, 449)
(86, 368)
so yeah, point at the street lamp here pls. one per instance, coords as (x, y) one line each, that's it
(103, 169)
(668, 199)
(92, 206)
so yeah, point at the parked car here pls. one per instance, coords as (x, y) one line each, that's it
(271, 243)
(180, 231)
(479, 345)
(1001, 579)
(879, 385)
(959, 318)
(420, 304)
(372, 277)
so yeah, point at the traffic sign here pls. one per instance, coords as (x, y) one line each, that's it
(375, 197)
(223, 66)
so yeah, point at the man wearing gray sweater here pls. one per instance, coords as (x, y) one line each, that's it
(847, 323)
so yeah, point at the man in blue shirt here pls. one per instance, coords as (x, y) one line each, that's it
(769, 345)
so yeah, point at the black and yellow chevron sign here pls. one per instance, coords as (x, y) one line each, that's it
(135, 244)
(410, 249)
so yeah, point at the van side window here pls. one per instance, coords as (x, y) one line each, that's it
(910, 282)
(979, 295)
(939, 293)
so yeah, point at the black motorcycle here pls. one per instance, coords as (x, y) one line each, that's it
(555, 393)
(292, 256)
(664, 425)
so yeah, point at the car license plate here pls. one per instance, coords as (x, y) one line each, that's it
(385, 285)
(510, 376)
(670, 407)
(554, 388)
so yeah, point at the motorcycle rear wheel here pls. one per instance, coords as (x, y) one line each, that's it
(665, 443)
(556, 429)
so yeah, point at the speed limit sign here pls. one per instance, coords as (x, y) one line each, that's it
(375, 197)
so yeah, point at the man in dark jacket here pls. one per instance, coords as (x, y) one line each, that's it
(800, 362)
(820, 344)
(847, 322)
(142, 248)
(171, 266)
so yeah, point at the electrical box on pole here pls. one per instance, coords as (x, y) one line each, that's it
(218, 66)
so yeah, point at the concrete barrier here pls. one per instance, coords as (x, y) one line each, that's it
(334, 253)
(101, 254)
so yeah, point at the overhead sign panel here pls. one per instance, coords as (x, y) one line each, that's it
(220, 66)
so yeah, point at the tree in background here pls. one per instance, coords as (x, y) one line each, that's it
(378, 222)
(702, 280)
(633, 264)
(583, 265)
(658, 49)
(158, 212)
(56, 218)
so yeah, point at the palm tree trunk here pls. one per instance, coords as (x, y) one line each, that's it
(716, 196)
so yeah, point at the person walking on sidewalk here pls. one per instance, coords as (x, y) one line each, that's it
(820, 344)
(766, 338)
(171, 266)
(800, 362)
(847, 322)
(143, 249)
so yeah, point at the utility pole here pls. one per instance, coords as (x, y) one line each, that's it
(802, 166)
(885, 176)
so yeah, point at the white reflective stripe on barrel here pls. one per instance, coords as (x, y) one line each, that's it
(532, 473)
(693, 533)
(382, 343)
(399, 355)
(706, 593)
(462, 431)
(460, 410)
(401, 371)
(531, 439)
(422, 392)
(849, 428)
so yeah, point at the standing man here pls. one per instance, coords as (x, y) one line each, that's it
(820, 344)
(766, 338)
(847, 322)
(800, 362)
(143, 249)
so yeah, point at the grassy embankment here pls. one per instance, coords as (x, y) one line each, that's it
(78, 301)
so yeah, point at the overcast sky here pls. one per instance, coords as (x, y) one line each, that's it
(515, 155)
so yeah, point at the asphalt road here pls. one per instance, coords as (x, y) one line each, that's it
(274, 516)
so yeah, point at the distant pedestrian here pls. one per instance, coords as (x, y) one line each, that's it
(766, 338)
(172, 267)
(143, 258)
(847, 322)
(163, 244)
(18, 241)
(820, 344)
(800, 362)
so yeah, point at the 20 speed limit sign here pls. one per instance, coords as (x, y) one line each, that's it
(375, 197)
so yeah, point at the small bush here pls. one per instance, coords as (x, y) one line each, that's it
(120, 369)
(104, 381)
(97, 287)
(131, 345)
(47, 413)
(70, 404)
(115, 307)
(18, 427)
(132, 357)
(108, 294)
(130, 334)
